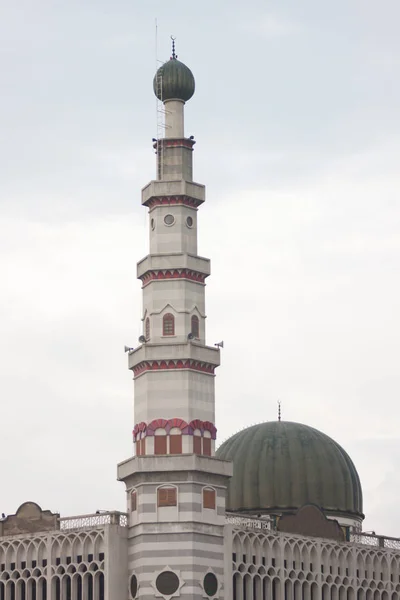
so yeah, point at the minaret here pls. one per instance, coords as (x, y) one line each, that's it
(175, 485)
(173, 368)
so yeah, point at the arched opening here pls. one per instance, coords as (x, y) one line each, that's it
(195, 326)
(168, 324)
(160, 441)
(209, 498)
(207, 443)
(167, 496)
(175, 441)
(133, 501)
(197, 441)
(147, 329)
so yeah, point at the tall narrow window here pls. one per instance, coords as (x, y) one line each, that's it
(207, 446)
(147, 329)
(133, 501)
(196, 444)
(195, 326)
(160, 444)
(209, 498)
(175, 443)
(168, 324)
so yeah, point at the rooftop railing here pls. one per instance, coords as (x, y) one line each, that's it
(267, 524)
(91, 521)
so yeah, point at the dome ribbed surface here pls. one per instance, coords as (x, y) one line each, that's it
(283, 465)
(174, 81)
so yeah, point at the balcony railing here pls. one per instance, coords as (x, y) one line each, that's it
(92, 521)
(266, 524)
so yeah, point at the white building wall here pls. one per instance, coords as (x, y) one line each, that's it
(176, 237)
(177, 393)
(284, 567)
(81, 564)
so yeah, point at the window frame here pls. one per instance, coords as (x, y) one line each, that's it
(195, 326)
(168, 325)
(167, 496)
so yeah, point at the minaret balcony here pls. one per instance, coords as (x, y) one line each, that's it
(178, 263)
(204, 358)
(173, 192)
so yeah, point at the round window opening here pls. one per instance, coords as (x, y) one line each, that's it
(189, 222)
(134, 587)
(167, 583)
(169, 219)
(153, 224)
(210, 584)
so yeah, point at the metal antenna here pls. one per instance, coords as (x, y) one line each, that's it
(174, 56)
(279, 411)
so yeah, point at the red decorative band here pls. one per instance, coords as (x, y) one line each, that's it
(164, 365)
(172, 200)
(168, 424)
(173, 274)
(174, 143)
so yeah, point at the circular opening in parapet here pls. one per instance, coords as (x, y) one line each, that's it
(210, 584)
(133, 587)
(167, 583)
(189, 222)
(153, 224)
(169, 220)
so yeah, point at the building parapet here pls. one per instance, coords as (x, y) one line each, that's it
(90, 521)
(243, 522)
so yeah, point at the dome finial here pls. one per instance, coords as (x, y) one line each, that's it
(174, 56)
(279, 410)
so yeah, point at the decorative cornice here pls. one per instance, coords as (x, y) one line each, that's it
(174, 143)
(184, 200)
(186, 428)
(159, 275)
(168, 365)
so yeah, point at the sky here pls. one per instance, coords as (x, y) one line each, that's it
(298, 142)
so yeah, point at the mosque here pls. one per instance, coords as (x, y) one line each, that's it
(275, 513)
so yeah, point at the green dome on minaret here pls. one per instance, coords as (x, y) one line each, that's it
(174, 81)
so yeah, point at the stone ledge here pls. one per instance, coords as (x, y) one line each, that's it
(137, 465)
(158, 262)
(168, 351)
(157, 189)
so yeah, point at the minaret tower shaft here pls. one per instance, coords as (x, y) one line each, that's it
(175, 485)
(174, 368)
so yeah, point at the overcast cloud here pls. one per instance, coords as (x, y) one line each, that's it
(298, 138)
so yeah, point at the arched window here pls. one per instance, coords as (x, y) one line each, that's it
(168, 324)
(175, 441)
(209, 498)
(207, 443)
(147, 329)
(166, 496)
(195, 326)
(160, 441)
(133, 501)
(196, 442)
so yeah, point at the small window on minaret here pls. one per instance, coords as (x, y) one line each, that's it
(175, 443)
(147, 329)
(196, 444)
(160, 444)
(133, 501)
(207, 446)
(209, 498)
(166, 496)
(195, 326)
(168, 324)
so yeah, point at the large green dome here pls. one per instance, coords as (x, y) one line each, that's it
(174, 81)
(280, 466)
